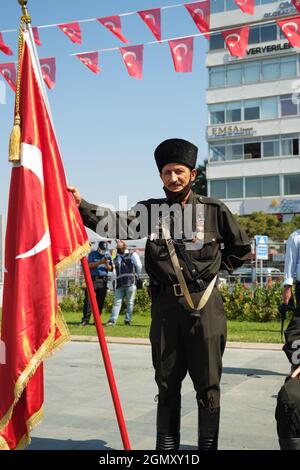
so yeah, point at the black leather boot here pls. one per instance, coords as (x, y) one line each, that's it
(168, 428)
(208, 428)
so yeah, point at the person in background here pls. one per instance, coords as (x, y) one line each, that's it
(100, 263)
(127, 267)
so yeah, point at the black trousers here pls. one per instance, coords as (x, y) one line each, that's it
(182, 343)
(100, 292)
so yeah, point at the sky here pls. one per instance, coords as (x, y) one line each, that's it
(108, 125)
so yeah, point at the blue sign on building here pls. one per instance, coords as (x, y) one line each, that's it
(261, 242)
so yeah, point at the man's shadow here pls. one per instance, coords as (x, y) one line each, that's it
(38, 443)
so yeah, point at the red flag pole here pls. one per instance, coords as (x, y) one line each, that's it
(105, 355)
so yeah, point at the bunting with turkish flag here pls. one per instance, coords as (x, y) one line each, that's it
(36, 36)
(113, 24)
(91, 60)
(44, 235)
(8, 71)
(237, 41)
(4, 47)
(296, 4)
(133, 59)
(247, 6)
(152, 18)
(291, 30)
(200, 12)
(182, 53)
(48, 67)
(72, 30)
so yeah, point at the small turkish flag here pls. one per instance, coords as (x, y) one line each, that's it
(113, 24)
(133, 59)
(48, 67)
(291, 30)
(182, 52)
(200, 12)
(247, 6)
(4, 47)
(10, 74)
(296, 4)
(36, 37)
(72, 30)
(91, 60)
(237, 40)
(152, 18)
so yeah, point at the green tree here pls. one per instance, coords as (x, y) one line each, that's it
(259, 223)
(200, 184)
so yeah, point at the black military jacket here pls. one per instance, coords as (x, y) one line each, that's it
(225, 244)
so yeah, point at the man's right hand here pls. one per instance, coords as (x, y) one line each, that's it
(76, 195)
(287, 294)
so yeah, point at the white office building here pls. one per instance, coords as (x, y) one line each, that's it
(254, 114)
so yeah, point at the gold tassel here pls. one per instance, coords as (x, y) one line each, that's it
(15, 142)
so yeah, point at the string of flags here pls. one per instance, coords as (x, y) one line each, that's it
(182, 49)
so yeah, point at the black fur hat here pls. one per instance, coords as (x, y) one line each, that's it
(176, 151)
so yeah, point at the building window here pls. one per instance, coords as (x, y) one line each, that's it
(251, 110)
(270, 70)
(217, 113)
(234, 188)
(218, 153)
(251, 72)
(271, 148)
(233, 112)
(253, 36)
(252, 150)
(269, 108)
(217, 77)
(227, 189)
(290, 145)
(288, 67)
(234, 75)
(259, 186)
(216, 6)
(216, 41)
(288, 108)
(292, 184)
(218, 189)
(268, 33)
(270, 186)
(234, 151)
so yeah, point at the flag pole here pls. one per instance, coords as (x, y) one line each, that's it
(107, 363)
(105, 354)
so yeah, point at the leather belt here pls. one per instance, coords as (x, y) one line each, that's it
(99, 278)
(176, 290)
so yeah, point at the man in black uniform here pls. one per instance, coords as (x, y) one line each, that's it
(183, 257)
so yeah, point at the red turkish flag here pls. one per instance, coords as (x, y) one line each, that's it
(36, 37)
(182, 52)
(48, 67)
(133, 59)
(200, 12)
(113, 24)
(237, 40)
(296, 4)
(91, 60)
(10, 74)
(247, 6)
(44, 235)
(152, 18)
(73, 31)
(291, 30)
(4, 47)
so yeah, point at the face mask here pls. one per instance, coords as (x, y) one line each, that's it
(175, 197)
(120, 251)
(102, 252)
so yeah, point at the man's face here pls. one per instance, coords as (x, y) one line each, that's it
(176, 176)
(121, 247)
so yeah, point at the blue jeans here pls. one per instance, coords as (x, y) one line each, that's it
(118, 299)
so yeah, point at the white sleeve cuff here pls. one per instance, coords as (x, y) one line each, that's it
(288, 281)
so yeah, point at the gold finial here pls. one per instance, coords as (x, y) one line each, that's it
(26, 16)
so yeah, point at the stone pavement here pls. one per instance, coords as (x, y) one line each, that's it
(79, 413)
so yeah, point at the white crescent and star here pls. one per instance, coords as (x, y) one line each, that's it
(180, 46)
(127, 54)
(235, 36)
(200, 12)
(150, 17)
(31, 158)
(110, 25)
(69, 31)
(290, 24)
